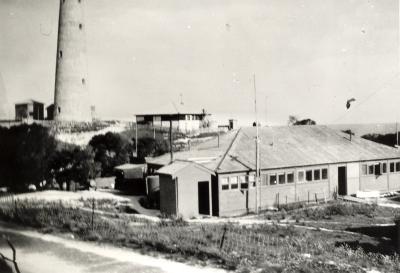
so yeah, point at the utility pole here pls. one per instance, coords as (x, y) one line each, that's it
(257, 148)
(136, 139)
(170, 140)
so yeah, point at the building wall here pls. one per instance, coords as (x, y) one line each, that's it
(374, 182)
(394, 181)
(38, 111)
(186, 123)
(168, 198)
(238, 201)
(21, 111)
(383, 182)
(353, 178)
(186, 201)
(188, 178)
(333, 179)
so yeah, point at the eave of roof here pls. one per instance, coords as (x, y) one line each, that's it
(28, 101)
(179, 165)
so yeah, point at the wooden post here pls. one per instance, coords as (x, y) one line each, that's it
(170, 140)
(136, 139)
(93, 214)
(278, 200)
(308, 197)
(397, 235)
(223, 238)
(316, 198)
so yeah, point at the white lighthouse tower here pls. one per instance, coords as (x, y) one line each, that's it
(71, 99)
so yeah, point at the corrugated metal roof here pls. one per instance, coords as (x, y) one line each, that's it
(28, 101)
(178, 165)
(129, 166)
(282, 147)
(172, 109)
(206, 153)
(285, 146)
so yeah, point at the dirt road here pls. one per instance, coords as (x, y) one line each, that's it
(37, 252)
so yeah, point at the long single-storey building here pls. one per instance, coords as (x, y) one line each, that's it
(182, 118)
(297, 163)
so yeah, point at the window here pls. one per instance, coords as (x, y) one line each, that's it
(234, 182)
(309, 175)
(377, 169)
(281, 178)
(80, 26)
(225, 183)
(325, 173)
(290, 177)
(60, 54)
(252, 180)
(364, 169)
(384, 167)
(83, 81)
(243, 182)
(264, 180)
(272, 179)
(370, 169)
(397, 166)
(392, 167)
(300, 176)
(317, 174)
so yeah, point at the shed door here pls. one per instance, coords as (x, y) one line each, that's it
(204, 197)
(342, 181)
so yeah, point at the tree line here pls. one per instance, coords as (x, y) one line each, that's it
(30, 154)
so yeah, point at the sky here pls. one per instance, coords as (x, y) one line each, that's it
(308, 57)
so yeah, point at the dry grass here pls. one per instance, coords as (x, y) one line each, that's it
(266, 247)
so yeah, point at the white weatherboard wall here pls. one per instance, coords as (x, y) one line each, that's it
(353, 178)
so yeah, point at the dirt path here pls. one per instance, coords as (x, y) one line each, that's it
(44, 253)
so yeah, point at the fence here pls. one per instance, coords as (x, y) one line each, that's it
(226, 241)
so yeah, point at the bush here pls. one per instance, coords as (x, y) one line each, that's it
(340, 209)
(25, 153)
(110, 150)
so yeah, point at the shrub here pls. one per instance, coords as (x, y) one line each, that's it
(340, 209)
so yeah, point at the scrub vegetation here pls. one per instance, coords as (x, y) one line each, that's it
(273, 247)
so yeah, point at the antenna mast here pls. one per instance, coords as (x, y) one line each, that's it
(257, 143)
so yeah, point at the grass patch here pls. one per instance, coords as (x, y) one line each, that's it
(261, 247)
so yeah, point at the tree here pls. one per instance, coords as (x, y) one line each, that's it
(25, 153)
(110, 150)
(387, 139)
(148, 146)
(74, 165)
(293, 120)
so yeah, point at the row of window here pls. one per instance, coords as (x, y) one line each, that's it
(243, 181)
(379, 168)
(234, 182)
